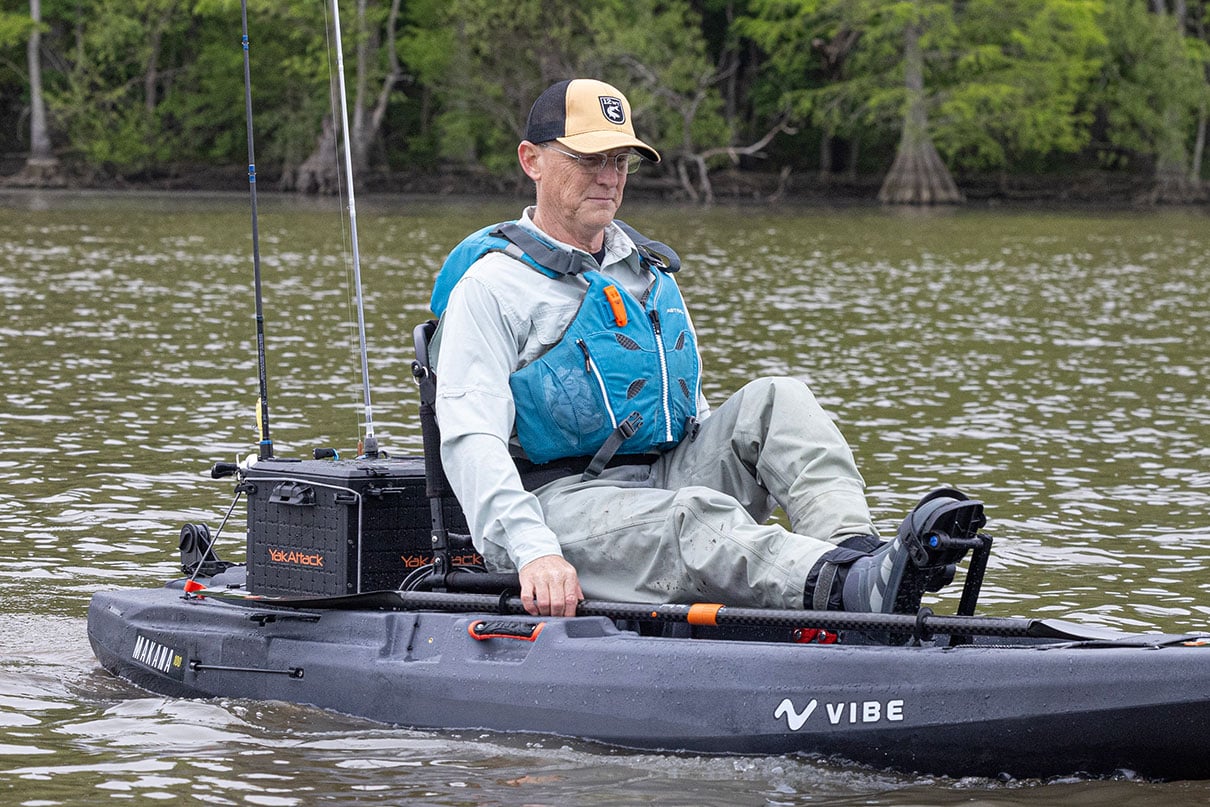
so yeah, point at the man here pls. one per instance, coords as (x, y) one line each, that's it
(564, 337)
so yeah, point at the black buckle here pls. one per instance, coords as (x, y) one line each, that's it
(916, 550)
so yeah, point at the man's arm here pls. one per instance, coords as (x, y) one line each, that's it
(479, 350)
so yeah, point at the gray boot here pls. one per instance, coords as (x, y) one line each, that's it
(922, 557)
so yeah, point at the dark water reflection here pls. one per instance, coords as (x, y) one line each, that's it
(1053, 363)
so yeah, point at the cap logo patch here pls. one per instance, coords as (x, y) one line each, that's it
(613, 110)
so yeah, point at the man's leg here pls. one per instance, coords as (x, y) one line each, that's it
(630, 541)
(773, 439)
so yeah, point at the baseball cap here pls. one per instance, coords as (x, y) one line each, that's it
(586, 115)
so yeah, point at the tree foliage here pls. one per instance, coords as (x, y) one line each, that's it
(1011, 86)
(1154, 78)
(1019, 85)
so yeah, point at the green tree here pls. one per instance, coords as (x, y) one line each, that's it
(13, 79)
(371, 32)
(1021, 84)
(41, 166)
(297, 120)
(671, 83)
(918, 175)
(879, 59)
(1152, 89)
(1175, 181)
(1199, 24)
(485, 62)
(378, 71)
(121, 65)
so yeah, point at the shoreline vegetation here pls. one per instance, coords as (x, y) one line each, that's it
(914, 102)
(1086, 188)
(1102, 189)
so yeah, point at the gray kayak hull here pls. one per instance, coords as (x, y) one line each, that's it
(1027, 710)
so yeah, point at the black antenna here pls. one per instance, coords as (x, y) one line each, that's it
(262, 414)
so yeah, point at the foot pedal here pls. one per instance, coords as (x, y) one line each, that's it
(943, 528)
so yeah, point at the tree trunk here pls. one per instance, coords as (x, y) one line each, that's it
(1174, 182)
(1199, 147)
(825, 155)
(918, 176)
(394, 73)
(358, 139)
(318, 173)
(155, 39)
(42, 167)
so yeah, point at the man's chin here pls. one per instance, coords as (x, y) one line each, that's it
(600, 211)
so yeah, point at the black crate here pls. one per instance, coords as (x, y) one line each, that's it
(331, 528)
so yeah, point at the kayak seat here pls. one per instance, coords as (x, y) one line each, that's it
(437, 488)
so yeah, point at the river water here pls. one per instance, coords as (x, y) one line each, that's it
(1053, 363)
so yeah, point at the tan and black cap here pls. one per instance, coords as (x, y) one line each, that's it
(586, 115)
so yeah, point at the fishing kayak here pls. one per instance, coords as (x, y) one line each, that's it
(963, 695)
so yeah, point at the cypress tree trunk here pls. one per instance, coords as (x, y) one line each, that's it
(42, 167)
(1199, 146)
(1174, 182)
(319, 173)
(918, 176)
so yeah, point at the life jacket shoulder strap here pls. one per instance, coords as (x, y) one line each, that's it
(654, 253)
(516, 242)
(559, 261)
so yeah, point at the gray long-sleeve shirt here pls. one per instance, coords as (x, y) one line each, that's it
(502, 315)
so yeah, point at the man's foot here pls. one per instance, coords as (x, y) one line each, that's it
(922, 557)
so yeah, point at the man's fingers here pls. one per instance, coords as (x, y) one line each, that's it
(550, 587)
(527, 600)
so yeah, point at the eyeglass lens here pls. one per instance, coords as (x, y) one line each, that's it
(593, 163)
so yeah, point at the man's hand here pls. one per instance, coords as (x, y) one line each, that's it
(550, 587)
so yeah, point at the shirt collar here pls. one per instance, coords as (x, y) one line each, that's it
(618, 246)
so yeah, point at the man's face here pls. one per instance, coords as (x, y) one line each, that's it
(578, 202)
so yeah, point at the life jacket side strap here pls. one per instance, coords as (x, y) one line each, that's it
(613, 442)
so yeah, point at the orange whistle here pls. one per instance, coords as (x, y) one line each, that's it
(615, 302)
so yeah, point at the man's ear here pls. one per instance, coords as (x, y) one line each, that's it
(528, 155)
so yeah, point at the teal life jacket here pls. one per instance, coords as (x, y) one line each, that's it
(624, 376)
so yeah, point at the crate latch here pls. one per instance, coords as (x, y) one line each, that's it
(293, 493)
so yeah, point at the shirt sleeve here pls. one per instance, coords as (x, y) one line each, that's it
(480, 345)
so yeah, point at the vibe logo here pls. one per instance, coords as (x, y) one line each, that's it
(794, 719)
(840, 712)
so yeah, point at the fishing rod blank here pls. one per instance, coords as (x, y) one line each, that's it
(370, 445)
(262, 415)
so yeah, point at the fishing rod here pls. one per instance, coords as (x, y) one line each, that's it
(196, 542)
(923, 624)
(370, 443)
(262, 414)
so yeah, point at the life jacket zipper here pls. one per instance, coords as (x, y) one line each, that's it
(654, 315)
(590, 367)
